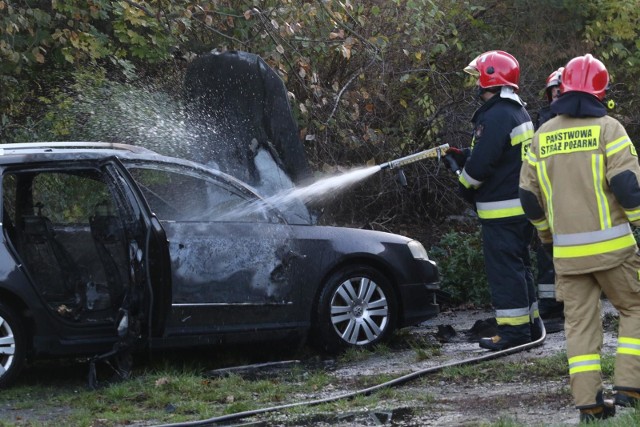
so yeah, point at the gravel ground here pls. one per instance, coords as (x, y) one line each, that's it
(530, 403)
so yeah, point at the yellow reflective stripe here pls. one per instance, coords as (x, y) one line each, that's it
(597, 168)
(587, 237)
(513, 321)
(584, 363)
(499, 209)
(594, 248)
(617, 145)
(628, 345)
(468, 181)
(541, 225)
(531, 157)
(545, 185)
(633, 215)
(522, 133)
(501, 213)
(464, 182)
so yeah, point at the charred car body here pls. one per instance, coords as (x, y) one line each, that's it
(109, 246)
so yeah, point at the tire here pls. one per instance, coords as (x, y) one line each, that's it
(357, 308)
(13, 342)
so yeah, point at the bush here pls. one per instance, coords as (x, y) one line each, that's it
(461, 265)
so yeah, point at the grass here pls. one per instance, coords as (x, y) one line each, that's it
(170, 390)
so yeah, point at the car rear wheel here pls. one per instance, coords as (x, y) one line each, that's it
(12, 346)
(357, 308)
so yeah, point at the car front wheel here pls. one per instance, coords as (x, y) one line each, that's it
(357, 308)
(12, 346)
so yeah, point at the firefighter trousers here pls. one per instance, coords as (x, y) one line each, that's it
(583, 328)
(510, 276)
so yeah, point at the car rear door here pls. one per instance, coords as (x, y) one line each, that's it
(91, 250)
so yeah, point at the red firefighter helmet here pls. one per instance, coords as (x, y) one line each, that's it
(585, 74)
(495, 68)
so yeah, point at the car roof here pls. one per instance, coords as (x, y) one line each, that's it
(48, 151)
(30, 148)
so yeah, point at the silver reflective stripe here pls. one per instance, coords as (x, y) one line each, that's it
(520, 129)
(617, 145)
(599, 178)
(584, 363)
(474, 182)
(546, 290)
(591, 236)
(513, 312)
(502, 204)
(629, 346)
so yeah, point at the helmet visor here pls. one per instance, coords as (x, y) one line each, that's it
(471, 69)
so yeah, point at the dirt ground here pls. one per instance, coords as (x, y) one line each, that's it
(535, 402)
(531, 403)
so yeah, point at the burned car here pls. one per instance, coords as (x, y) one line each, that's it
(110, 246)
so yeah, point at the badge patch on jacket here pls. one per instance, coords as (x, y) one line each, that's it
(478, 131)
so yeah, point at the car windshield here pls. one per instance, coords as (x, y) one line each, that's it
(177, 193)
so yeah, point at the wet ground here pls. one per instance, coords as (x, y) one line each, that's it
(533, 402)
(423, 400)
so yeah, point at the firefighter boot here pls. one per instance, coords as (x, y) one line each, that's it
(537, 329)
(627, 398)
(550, 308)
(507, 337)
(601, 412)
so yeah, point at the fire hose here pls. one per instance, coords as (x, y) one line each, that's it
(366, 391)
(438, 152)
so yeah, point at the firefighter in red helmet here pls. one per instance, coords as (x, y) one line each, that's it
(552, 92)
(489, 179)
(579, 187)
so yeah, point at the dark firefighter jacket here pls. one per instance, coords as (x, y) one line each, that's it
(579, 186)
(502, 135)
(544, 114)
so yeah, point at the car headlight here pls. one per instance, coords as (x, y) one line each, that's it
(417, 250)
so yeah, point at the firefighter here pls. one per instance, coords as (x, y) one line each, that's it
(489, 179)
(550, 309)
(579, 187)
(552, 92)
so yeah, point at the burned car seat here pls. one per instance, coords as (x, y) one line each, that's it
(110, 242)
(51, 266)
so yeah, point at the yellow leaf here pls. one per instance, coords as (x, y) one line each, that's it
(403, 103)
(418, 55)
(346, 52)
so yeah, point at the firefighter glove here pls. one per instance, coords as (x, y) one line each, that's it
(459, 155)
(456, 158)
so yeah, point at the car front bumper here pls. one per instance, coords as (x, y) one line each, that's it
(419, 303)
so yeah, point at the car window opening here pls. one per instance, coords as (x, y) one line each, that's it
(71, 242)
